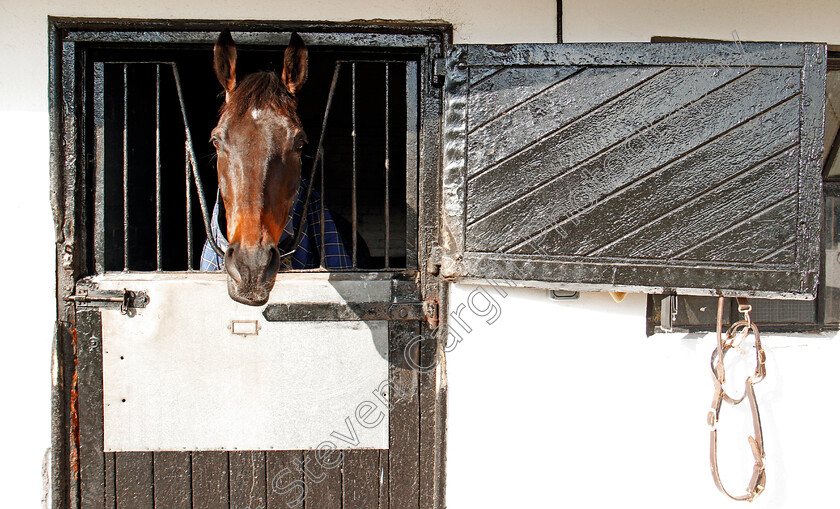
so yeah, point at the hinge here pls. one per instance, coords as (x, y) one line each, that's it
(125, 300)
(438, 71)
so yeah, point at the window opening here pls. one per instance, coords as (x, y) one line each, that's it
(150, 215)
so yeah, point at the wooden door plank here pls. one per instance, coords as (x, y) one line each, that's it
(511, 86)
(284, 479)
(360, 486)
(721, 208)
(89, 369)
(247, 479)
(110, 480)
(135, 480)
(585, 137)
(432, 440)
(672, 185)
(550, 110)
(322, 476)
(687, 129)
(210, 488)
(761, 235)
(384, 478)
(173, 480)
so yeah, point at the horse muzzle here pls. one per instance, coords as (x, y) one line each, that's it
(251, 272)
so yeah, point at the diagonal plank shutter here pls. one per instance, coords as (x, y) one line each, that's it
(645, 167)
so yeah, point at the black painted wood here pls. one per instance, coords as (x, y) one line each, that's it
(404, 386)
(110, 480)
(581, 139)
(360, 482)
(173, 476)
(578, 186)
(323, 480)
(607, 166)
(432, 405)
(91, 456)
(210, 478)
(247, 479)
(135, 480)
(284, 479)
(671, 186)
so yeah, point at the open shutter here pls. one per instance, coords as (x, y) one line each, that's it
(692, 168)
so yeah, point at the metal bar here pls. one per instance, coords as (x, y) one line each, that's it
(412, 130)
(387, 166)
(351, 311)
(158, 240)
(323, 240)
(189, 206)
(125, 166)
(355, 217)
(198, 186)
(318, 155)
(99, 186)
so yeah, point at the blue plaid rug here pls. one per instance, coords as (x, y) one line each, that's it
(308, 253)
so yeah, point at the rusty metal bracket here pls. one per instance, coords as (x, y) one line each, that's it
(125, 300)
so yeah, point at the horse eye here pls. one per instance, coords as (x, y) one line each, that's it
(215, 142)
(300, 141)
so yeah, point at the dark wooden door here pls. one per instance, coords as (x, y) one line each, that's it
(180, 477)
(692, 168)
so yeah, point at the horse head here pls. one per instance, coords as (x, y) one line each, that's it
(258, 140)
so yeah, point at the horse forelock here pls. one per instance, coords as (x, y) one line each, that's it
(260, 91)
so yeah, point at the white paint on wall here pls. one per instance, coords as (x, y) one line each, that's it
(754, 20)
(568, 404)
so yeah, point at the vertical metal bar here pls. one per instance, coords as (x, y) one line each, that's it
(157, 169)
(323, 240)
(387, 165)
(318, 157)
(412, 130)
(353, 186)
(125, 166)
(199, 188)
(99, 186)
(187, 173)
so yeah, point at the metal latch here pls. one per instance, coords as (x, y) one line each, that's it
(125, 300)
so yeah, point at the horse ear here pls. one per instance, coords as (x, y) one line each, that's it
(295, 65)
(224, 61)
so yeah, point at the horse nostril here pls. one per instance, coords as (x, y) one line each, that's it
(273, 265)
(230, 264)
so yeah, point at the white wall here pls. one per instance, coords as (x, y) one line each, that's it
(754, 20)
(572, 414)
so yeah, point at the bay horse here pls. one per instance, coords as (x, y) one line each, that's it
(258, 141)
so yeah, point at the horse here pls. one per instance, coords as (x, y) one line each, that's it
(258, 140)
